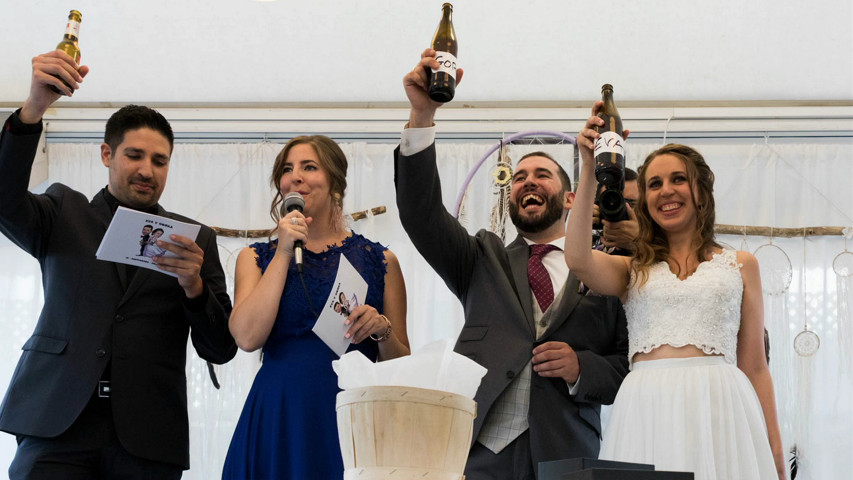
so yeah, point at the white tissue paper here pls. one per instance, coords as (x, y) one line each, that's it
(434, 366)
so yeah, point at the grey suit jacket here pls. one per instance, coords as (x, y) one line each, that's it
(93, 316)
(491, 281)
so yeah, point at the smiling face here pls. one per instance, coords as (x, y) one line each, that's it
(311, 165)
(670, 194)
(537, 198)
(138, 167)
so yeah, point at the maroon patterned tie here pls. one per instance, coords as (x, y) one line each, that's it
(540, 281)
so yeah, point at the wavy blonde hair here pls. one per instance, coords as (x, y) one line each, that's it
(652, 244)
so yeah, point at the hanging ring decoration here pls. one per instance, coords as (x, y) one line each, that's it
(495, 147)
(776, 271)
(843, 262)
(502, 173)
(806, 343)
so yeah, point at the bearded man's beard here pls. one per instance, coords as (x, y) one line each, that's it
(537, 223)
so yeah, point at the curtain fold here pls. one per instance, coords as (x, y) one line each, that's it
(227, 185)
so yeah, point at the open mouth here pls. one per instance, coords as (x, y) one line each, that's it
(669, 207)
(531, 199)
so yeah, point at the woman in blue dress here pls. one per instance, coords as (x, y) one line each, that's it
(287, 429)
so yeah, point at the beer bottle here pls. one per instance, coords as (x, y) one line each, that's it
(69, 40)
(610, 159)
(442, 83)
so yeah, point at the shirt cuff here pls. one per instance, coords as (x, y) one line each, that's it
(573, 387)
(414, 140)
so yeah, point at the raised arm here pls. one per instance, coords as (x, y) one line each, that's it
(434, 232)
(26, 218)
(750, 352)
(602, 273)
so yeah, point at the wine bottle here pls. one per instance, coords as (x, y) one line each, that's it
(610, 159)
(442, 82)
(69, 41)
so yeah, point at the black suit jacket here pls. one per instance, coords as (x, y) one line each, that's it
(93, 316)
(491, 281)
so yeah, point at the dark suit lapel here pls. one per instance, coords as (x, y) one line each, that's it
(568, 301)
(139, 278)
(519, 253)
(142, 274)
(102, 208)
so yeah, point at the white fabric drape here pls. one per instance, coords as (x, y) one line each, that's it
(227, 185)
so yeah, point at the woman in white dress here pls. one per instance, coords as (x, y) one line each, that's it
(699, 397)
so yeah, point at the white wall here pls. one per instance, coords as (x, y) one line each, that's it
(345, 51)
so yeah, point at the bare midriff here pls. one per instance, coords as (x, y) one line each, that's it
(668, 351)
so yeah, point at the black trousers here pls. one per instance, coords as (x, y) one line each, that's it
(513, 462)
(88, 450)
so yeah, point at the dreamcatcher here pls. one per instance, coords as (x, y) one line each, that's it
(501, 180)
(776, 275)
(806, 344)
(843, 267)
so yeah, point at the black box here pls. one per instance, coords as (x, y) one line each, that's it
(554, 470)
(595, 469)
(622, 474)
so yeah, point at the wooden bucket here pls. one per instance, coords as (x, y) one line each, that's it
(404, 433)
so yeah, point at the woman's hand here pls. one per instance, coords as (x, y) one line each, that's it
(365, 321)
(291, 228)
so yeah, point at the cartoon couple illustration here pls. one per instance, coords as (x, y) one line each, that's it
(148, 242)
(344, 306)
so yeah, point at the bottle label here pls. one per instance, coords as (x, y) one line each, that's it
(72, 28)
(609, 142)
(446, 63)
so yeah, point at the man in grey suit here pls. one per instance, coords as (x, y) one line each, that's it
(553, 354)
(100, 388)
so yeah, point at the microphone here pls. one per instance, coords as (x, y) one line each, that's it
(294, 201)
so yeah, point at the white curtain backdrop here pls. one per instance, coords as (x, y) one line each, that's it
(775, 184)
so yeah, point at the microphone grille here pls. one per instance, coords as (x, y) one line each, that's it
(294, 200)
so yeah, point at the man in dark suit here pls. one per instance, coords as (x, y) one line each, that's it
(553, 356)
(100, 389)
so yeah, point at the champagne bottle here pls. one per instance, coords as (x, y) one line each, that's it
(610, 159)
(442, 82)
(69, 41)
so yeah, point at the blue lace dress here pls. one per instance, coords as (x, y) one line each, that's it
(288, 429)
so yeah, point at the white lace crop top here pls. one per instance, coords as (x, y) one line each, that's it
(702, 310)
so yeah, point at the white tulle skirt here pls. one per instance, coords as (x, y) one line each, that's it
(696, 415)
